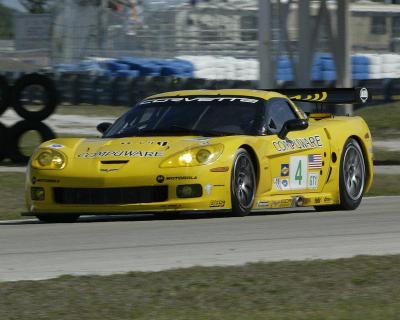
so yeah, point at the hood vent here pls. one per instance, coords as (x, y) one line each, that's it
(114, 161)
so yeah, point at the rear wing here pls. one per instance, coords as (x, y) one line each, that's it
(328, 95)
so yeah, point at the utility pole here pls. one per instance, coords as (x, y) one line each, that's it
(265, 57)
(304, 28)
(103, 24)
(343, 62)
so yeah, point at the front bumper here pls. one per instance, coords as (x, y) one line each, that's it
(215, 191)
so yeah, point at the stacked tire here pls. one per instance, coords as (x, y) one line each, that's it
(30, 87)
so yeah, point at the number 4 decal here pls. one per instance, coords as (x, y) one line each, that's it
(298, 174)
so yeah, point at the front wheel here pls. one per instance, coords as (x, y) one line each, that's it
(58, 218)
(351, 178)
(243, 184)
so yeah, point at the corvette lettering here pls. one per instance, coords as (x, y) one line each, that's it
(298, 143)
(202, 99)
(130, 153)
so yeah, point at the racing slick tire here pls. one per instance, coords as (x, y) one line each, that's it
(351, 178)
(50, 96)
(57, 218)
(243, 184)
(18, 130)
(4, 94)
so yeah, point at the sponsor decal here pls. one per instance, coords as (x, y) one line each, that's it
(314, 161)
(277, 184)
(34, 180)
(262, 204)
(182, 178)
(298, 143)
(219, 169)
(126, 142)
(56, 146)
(171, 206)
(202, 139)
(160, 179)
(364, 94)
(307, 201)
(160, 143)
(298, 172)
(284, 169)
(217, 203)
(108, 170)
(129, 153)
(317, 200)
(285, 185)
(208, 189)
(285, 203)
(201, 99)
(327, 200)
(313, 180)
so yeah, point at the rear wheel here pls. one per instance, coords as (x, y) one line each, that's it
(243, 184)
(351, 178)
(57, 218)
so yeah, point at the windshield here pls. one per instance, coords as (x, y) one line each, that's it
(204, 116)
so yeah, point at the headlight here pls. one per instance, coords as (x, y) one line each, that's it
(194, 157)
(49, 159)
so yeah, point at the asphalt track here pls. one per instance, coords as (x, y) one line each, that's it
(105, 245)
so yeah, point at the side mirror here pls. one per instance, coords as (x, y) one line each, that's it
(103, 127)
(292, 125)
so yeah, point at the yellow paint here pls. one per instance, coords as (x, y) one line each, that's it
(83, 170)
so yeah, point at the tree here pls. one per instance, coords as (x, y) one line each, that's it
(6, 23)
(37, 6)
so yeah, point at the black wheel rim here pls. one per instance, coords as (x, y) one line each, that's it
(354, 172)
(243, 183)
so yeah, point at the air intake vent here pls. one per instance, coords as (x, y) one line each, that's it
(130, 195)
(114, 161)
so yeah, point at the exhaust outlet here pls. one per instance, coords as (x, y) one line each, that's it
(299, 201)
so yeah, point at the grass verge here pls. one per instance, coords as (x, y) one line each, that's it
(12, 192)
(363, 287)
(12, 195)
(91, 110)
(382, 155)
(383, 120)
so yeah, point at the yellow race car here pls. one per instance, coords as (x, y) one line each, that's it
(208, 150)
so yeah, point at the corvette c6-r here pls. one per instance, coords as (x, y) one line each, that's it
(232, 150)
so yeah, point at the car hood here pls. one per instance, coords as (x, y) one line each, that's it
(140, 151)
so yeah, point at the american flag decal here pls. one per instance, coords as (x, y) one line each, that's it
(314, 161)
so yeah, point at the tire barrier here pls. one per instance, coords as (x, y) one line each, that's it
(16, 133)
(3, 142)
(4, 94)
(123, 90)
(42, 88)
(29, 90)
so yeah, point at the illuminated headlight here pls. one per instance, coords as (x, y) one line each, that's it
(49, 159)
(194, 157)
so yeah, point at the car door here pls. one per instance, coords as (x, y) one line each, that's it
(300, 162)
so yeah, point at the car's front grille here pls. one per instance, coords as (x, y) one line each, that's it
(111, 195)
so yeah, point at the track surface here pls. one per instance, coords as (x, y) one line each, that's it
(104, 245)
